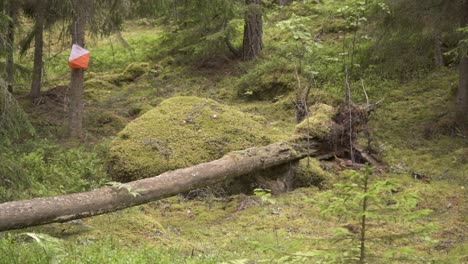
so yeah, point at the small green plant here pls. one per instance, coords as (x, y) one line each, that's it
(375, 212)
(265, 195)
(248, 92)
(462, 47)
(52, 246)
(120, 186)
(379, 220)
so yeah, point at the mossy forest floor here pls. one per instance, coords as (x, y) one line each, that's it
(409, 129)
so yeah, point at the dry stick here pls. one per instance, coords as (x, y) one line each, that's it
(368, 106)
(353, 48)
(298, 82)
(305, 96)
(308, 119)
(298, 96)
(348, 93)
(365, 93)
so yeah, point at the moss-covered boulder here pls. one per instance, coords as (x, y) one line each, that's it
(181, 132)
(320, 122)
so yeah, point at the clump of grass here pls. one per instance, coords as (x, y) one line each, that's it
(45, 168)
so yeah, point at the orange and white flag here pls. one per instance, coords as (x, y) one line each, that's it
(79, 57)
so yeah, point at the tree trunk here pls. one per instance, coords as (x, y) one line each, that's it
(39, 20)
(462, 95)
(438, 53)
(21, 214)
(75, 93)
(10, 63)
(253, 30)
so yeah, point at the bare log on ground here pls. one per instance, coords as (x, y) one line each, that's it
(39, 211)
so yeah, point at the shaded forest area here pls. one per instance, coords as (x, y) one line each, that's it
(256, 131)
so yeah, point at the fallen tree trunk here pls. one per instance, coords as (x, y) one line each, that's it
(39, 211)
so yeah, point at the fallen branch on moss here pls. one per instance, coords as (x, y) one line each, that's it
(323, 141)
(39, 211)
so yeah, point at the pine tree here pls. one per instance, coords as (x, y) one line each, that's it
(202, 21)
(45, 14)
(362, 200)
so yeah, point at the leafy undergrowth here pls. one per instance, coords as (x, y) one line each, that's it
(44, 168)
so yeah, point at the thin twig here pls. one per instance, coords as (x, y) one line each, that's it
(365, 93)
(348, 97)
(312, 83)
(298, 82)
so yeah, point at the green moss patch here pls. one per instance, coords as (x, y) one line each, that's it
(310, 173)
(104, 123)
(184, 131)
(97, 89)
(135, 70)
(132, 72)
(414, 128)
(319, 123)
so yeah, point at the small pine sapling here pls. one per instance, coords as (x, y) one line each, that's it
(379, 220)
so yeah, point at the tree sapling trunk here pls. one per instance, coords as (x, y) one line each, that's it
(462, 94)
(39, 21)
(10, 63)
(75, 93)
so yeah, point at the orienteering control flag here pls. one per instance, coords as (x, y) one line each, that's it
(79, 57)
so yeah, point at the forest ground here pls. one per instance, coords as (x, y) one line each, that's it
(408, 128)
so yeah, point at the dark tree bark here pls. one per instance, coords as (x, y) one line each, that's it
(253, 30)
(21, 214)
(10, 62)
(75, 93)
(39, 21)
(462, 95)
